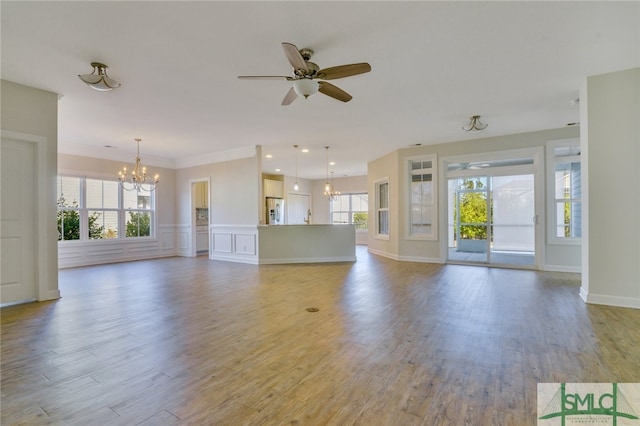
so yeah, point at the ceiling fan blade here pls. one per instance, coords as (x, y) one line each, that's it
(265, 77)
(295, 58)
(289, 97)
(333, 91)
(342, 71)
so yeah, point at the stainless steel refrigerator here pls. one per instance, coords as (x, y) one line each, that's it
(275, 211)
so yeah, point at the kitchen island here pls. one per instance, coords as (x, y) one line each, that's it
(307, 243)
(278, 244)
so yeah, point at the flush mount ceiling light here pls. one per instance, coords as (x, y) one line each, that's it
(474, 124)
(305, 87)
(138, 180)
(98, 79)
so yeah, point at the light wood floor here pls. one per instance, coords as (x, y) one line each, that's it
(195, 341)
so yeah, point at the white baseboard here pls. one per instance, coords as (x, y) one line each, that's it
(603, 299)
(307, 260)
(562, 268)
(383, 254)
(405, 258)
(251, 260)
(420, 259)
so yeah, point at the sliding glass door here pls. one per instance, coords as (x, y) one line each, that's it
(492, 213)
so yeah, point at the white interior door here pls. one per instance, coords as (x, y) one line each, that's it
(18, 218)
(298, 210)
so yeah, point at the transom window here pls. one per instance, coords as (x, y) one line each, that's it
(97, 209)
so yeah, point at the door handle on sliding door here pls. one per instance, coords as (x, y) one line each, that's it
(535, 219)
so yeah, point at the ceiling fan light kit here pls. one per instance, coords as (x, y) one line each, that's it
(305, 73)
(306, 87)
(98, 78)
(475, 125)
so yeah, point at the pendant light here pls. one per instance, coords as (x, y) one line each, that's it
(329, 189)
(295, 185)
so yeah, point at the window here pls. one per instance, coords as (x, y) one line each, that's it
(68, 208)
(565, 190)
(138, 207)
(382, 208)
(102, 208)
(422, 185)
(96, 209)
(351, 209)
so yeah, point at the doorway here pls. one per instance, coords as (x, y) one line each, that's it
(492, 212)
(200, 217)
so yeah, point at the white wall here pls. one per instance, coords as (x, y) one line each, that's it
(610, 117)
(35, 112)
(564, 257)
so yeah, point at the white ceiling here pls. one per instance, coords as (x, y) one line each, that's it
(517, 64)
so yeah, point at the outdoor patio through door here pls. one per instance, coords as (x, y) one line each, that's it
(492, 219)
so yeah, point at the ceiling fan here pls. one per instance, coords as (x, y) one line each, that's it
(306, 75)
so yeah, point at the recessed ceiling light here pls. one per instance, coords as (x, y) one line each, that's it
(305, 150)
(277, 170)
(333, 163)
(269, 156)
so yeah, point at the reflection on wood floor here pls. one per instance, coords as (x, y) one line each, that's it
(195, 341)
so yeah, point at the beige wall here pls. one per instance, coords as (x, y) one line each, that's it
(610, 116)
(386, 167)
(235, 191)
(35, 112)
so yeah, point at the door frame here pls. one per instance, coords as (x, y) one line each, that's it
(42, 241)
(538, 171)
(192, 206)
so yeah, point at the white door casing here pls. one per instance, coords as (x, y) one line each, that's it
(19, 226)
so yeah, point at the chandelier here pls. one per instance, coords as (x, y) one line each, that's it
(98, 79)
(475, 125)
(329, 190)
(137, 180)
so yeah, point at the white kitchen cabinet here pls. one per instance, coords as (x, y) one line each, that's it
(202, 200)
(202, 239)
(273, 188)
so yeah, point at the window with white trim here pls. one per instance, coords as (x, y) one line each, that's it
(351, 209)
(565, 191)
(422, 197)
(97, 209)
(382, 208)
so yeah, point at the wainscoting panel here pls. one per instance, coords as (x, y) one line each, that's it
(83, 253)
(234, 243)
